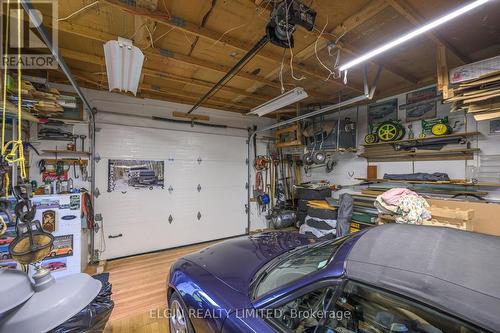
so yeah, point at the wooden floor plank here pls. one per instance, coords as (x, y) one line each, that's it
(139, 287)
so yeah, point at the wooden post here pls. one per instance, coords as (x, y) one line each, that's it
(443, 81)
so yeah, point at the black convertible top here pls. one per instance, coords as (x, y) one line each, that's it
(456, 271)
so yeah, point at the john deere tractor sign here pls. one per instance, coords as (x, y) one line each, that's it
(385, 132)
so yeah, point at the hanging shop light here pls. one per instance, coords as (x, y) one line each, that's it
(123, 65)
(290, 97)
(423, 29)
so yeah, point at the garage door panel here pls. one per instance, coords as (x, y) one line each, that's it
(208, 173)
(228, 197)
(130, 211)
(133, 239)
(141, 216)
(216, 224)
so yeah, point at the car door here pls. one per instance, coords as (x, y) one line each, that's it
(346, 307)
(287, 313)
(358, 307)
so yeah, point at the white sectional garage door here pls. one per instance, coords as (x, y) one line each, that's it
(204, 192)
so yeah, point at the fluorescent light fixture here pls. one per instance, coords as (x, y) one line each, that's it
(123, 65)
(410, 35)
(290, 97)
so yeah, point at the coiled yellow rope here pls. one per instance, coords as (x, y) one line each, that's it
(16, 153)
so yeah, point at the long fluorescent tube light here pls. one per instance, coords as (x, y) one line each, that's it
(290, 97)
(413, 34)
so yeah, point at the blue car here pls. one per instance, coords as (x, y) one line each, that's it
(387, 279)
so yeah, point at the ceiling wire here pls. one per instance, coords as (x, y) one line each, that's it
(150, 36)
(290, 46)
(166, 8)
(225, 33)
(331, 73)
(163, 35)
(84, 8)
(281, 72)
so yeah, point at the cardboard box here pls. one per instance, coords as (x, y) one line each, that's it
(486, 216)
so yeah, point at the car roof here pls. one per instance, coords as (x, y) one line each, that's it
(453, 270)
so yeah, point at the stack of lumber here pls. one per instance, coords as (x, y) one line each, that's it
(38, 100)
(480, 97)
(47, 102)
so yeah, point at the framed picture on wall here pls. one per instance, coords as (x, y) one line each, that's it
(383, 111)
(423, 110)
(495, 126)
(135, 174)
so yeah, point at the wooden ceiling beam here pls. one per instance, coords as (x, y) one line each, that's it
(167, 95)
(414, 18)
(214, 36)
(102, 36)
(162, 55)
(200, 83)
(97, 60)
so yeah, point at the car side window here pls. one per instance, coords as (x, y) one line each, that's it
(374, 310)
(307, 313)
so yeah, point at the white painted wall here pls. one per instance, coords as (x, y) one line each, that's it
(350, 166)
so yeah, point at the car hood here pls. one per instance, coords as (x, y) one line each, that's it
(236, 261)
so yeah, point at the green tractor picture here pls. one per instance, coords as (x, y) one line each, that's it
(437, 127)
(385, 131)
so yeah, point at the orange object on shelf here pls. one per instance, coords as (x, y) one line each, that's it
(372, 172)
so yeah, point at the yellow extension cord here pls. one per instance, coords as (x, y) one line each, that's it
(16, 154)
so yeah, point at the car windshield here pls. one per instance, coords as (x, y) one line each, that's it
(294, 266)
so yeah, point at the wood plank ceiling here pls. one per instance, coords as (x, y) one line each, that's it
(190, 44)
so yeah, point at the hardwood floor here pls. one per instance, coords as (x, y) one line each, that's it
(139, 290)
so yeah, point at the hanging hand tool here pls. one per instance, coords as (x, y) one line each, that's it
(75, 175)
(42, 166)
(82, 138)
(60, 170)
(83, 170)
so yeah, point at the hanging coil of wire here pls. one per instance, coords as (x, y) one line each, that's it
(261, 163)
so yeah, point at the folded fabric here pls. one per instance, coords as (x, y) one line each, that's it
(404, 205)
(393, 196)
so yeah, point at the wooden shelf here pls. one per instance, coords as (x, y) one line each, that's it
(450, 182)
(66, 152)
(67, 161)
(450, 154)
(428, 138)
